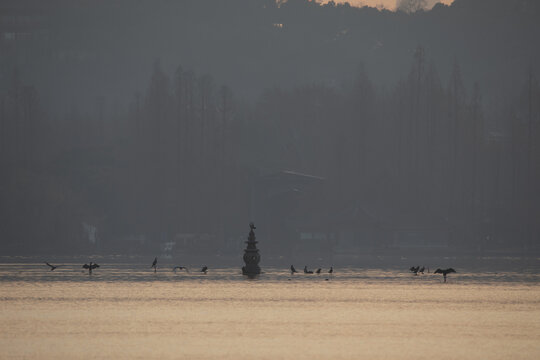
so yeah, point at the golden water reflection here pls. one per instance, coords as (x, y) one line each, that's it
(358, 314)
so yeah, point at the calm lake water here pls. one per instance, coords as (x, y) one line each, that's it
(124, 311)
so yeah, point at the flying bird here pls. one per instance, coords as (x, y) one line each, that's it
(204, 269)
(180, 268)
(293, 270)
(306, 271)
(90, 267)
(52, 266)
(154, 264)
(444, 272)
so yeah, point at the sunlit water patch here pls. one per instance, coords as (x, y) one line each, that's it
(126, 311)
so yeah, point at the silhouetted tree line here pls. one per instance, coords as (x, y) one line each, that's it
(431, 149)
(181, 155)
(182, 159)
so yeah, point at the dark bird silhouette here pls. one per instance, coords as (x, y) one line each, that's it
(52, 266)
(318, 271)
(444, 272)
(90, 267)
(331, 271)
(204, 269)
(180, 268)
(421, 270)
(414, 269)
(154, 264)
(306, 271)
(293, 270)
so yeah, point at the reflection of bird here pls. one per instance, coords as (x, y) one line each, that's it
(204, 269)
(444, 272)
(331, 271)
(154, 264)
(318, 271)
(293, 270)
(180, 268)
(90, 267)
(52, 266)
(306, 271)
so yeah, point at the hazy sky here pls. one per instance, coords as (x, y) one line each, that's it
(390, 4)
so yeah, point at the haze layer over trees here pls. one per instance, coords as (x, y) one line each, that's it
(125, 125)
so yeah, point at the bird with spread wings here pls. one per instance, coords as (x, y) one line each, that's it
(90, 267)
(444, 272)
(53, 266)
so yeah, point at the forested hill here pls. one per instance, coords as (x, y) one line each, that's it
(95, 48)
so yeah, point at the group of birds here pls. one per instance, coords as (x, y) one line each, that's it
(417, 269)
(94, 265)
(414, 269)
(306, 271)
(90, 266)
(204, 269)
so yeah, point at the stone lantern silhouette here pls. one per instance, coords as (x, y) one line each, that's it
(251, 255)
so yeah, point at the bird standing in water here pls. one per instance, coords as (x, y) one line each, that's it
(444, 272)
(306, 271)
(331, 271)
(204, 269)
(293, 270)
(318, 271)
(154, 265)
(90, 267)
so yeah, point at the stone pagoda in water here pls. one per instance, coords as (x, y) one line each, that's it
(251, 255)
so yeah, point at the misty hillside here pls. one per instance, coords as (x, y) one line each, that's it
(129, 125)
